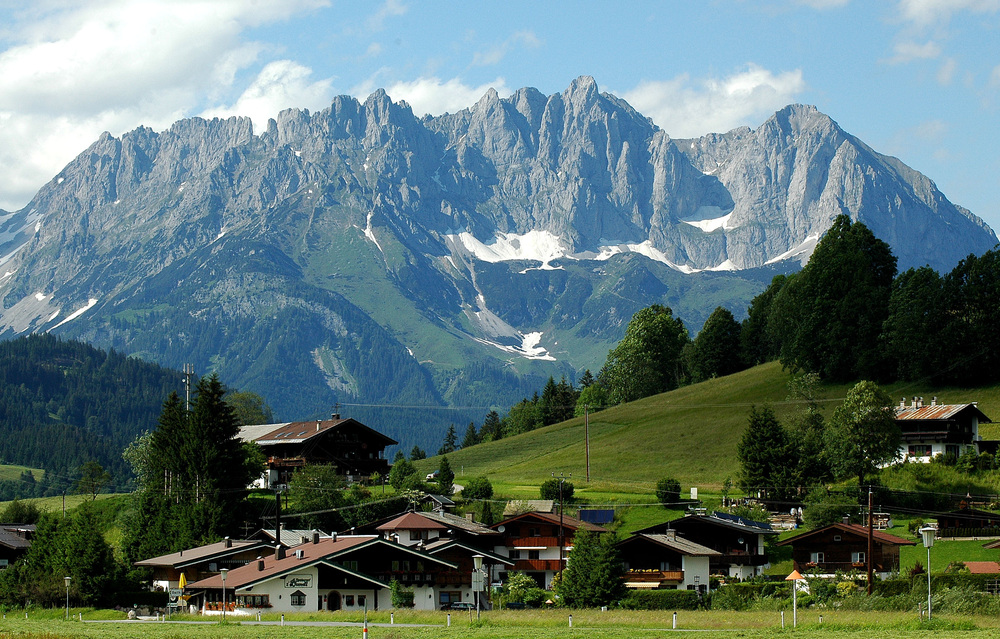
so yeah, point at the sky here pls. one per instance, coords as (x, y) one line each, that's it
(916, 79)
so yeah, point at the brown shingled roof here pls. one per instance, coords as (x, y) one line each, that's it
(412, 521)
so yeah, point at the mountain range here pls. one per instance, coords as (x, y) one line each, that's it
(415, 271)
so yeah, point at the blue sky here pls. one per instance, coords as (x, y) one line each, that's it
(917, 79)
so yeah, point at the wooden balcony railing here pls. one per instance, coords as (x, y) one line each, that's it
(537, 564)
(654, 576)
(535, 542)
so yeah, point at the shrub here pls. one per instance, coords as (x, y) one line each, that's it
(400, 597)
(477, 488)
(550, 489)
(668, 491)
(660, 600)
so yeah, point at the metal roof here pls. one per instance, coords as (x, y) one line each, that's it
(938, 412)
(679, 544)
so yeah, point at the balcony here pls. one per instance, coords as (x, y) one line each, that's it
(534, 542)
(739, 559)
(537, 565)
(653, 578)
(830, 567)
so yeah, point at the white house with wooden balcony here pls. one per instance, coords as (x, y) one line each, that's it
(938, 429)
(665, 561)
(539, 544)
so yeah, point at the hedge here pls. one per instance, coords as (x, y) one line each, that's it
(660, 600)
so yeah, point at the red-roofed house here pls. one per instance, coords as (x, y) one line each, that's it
(201, 562)
(938, 429)
(351, 447)
(539, 543)
(844, 548)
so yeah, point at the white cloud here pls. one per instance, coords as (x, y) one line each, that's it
(495, 54)
(926, 13)
(389, 9)
(909, 51)
(946, 72)
(73, 70)
(687, 108)
(431, 95)
(280, 85)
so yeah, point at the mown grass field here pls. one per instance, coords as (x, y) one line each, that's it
(538, 624)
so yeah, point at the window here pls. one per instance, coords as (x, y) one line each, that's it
(415, 535)
(533, 554)
(406, 566)
(395, 566)
(919, 450)
(350, 565)
(816, 557)
(515, 554)
(348, 600)
(361, 600)
(534, 532)
(298, 598)
(858, 557)
(253, 601)
(837, 537)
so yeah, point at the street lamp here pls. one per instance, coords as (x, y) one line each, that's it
(223, 572)
(477, 579)
(928, 534)
(67, 580)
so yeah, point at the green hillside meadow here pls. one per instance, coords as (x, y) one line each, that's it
(690, 434)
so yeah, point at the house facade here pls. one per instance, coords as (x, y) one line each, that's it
(937, 429)
(15, 540)
(354, 449)
(339, 573)
(538, 543)
(201, 562)
(665, 561)
(738, 542)
(844, 548)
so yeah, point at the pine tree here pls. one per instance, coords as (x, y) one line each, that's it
(766, 454)
(450, 439)
(446, 477)
(471, 436)
(417, 453)
(492, 429)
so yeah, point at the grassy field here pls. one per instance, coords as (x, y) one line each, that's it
(13, 472)
(54, 504)
(541, 624)
(690, 434)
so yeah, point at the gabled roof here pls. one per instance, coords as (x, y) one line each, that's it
(461, 523)
(678, 544)
(411, 521)
(938, 412)
(440, 545)
(533, 505)
(722, 520)
(289, 536)
(326, 551)
(15, 536)
(208, 552)
(983, 567)
(570, 523)
(300, 432)
(854, 529)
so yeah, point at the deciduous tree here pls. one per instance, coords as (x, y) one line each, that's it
(862, 434)
(647, 360)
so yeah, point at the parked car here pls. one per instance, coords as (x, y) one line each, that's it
(431, 476)
(459, 605)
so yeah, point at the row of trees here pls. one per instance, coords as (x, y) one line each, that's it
(848, 316)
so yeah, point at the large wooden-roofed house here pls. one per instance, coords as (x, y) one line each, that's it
(15, 540)
(938, 429)
(539, 543)
(354, 449)
(203, 561)
(665, 561)
(738, 542)
(844, 548)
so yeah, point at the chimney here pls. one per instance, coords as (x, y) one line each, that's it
(303, 539)
(299, 554)
(902, 403)
(335, 416)
(260, 563)
(913, 404)
(318, 422)
(846, 520)
(934, 401)
(470, 516)
(228, 542)
(671, 533)
(315, 537)
(279, 552)
(335, 536)
(920, 402)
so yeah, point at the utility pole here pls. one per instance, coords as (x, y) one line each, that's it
(188, 372)
(562, 542)
(586, 424)
(868, 555)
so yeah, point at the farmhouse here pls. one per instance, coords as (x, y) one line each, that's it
(197, 563)
(539, 543)
(339, 573)
(938, 429)
(15, 540)
(665, 561)
(354, 449)
(738, 542)
(843, 548)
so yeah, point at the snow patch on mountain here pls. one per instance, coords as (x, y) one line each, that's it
(538, 246)
(800, 252)
(75, 314)
(711, 224)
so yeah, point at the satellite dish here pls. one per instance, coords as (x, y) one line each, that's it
(740, 540)
(501, 528)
